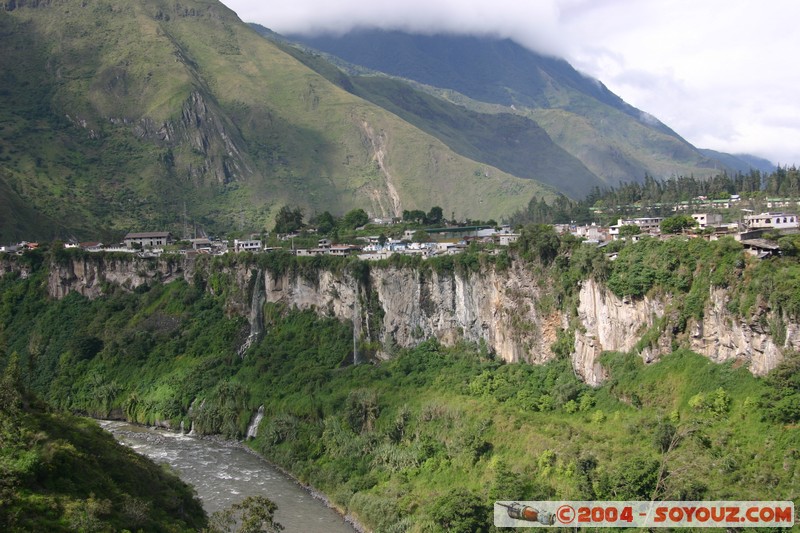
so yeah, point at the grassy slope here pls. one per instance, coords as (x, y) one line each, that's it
(121, 70)
(66, 161)
(622, 148)
(608, 136)
(507, 141)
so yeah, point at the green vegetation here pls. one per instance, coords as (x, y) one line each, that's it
(429, 439)
(122, 115)
(63, 473)
(289, 220)
(255, 514)
(677, 224)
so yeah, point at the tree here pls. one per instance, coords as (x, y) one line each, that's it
(790, 245)
(254, 514)
(362, 410)
(421, 236)
(461, 511)
(635, 478)
(416, 216)
(539, 241)
(435, 215)
(288, 220)
(677, 224)
(629, 230)
(10, 390)
(325, 223)
(354, 219)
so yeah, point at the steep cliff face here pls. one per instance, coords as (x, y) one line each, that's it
(496, 308)
(722, 336)
(501, 308)
(610, 323)
(86, 276)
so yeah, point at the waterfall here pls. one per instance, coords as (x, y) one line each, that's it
(256, 317)
(252, 429)
(356, 325)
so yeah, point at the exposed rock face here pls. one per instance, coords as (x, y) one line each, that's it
(206, 130)
(87, 276)
(609, 324)
(614, 324)
(404, 306)
(721, 336)
(496, 308)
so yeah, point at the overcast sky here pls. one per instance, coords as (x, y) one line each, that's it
(722, 73)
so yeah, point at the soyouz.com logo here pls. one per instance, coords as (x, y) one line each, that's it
(643, 514)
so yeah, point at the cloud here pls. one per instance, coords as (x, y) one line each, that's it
(533, 24)
(719, 72)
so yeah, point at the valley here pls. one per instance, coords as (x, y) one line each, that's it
(533, 397)
(412, 273)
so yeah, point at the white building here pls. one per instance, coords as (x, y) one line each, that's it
(591, 233)
(707, 219)
(344, 249)
(504, 239)
(246, 245)
(148, 239)
(646, 225)
(771, 221)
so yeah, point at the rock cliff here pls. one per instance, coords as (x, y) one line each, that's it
(721, 336)
(503, 309)
(610, 323)
(496, 308)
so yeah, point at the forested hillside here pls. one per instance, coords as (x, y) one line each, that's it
(63, 473)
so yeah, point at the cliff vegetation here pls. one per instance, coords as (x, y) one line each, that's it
(428, 438)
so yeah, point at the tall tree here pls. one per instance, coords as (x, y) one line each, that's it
(288, 219)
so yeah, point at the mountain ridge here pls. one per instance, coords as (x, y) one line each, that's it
(145, 111)
(614, 140)
(494, 138)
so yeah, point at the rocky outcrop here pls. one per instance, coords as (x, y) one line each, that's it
(721, 336)
(502, 309)
(87, 276)
(610, 323)
(498, 309)
(205, 129)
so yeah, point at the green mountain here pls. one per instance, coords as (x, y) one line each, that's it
(147, 115)
(508, 141)
(613, 140)
(743, 163)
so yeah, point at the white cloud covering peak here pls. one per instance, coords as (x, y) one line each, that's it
(719, 72)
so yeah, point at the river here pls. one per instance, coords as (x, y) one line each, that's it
(223, 473)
